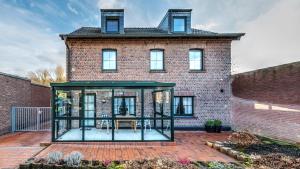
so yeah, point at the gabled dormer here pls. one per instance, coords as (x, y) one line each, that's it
(112, 21)
(177, 21)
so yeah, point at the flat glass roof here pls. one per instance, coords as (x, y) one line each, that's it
(113, 84)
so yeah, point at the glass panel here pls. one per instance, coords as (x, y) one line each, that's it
(167, 127)
(128, 113)
(67, 103)
(176, 105)
(187, 104)
(151, 132)
(102, 126)
(112, 25)
(195, 57)
(67, 130)
(102, 131)
(89, 111)
(179, 25)
(129, 104)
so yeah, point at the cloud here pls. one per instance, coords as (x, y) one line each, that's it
(29, 39)
(207, 26)
(25, 43)
(271, 39)
(105, 4)
(72, 9)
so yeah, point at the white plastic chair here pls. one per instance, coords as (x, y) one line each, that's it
(147, 122)
(105, 122)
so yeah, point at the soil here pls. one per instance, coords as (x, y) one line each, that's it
(277, 161)
(265, 149)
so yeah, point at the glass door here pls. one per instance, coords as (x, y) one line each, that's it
(90, 109)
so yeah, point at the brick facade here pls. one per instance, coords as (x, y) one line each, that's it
(17, 91)
(267, 101)
(133, 63)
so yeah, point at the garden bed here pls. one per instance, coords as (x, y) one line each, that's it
(260, 152)
(158, 163)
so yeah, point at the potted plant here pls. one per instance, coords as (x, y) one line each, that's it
(210, 126)
(218, 126)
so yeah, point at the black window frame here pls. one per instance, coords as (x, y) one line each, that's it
(112, 19)
(181, 104)
(163, 60)
(120, 97)
(185, 24)
(201, 60)
(102, 60)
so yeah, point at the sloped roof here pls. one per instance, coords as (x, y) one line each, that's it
(95, 32)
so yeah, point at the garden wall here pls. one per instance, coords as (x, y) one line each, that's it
(272, 120)
(19, 91)
(267, 101)
(279, 84)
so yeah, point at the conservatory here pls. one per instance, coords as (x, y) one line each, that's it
(99, 111)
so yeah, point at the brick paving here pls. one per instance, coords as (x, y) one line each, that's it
(17, 147)
(188, 145)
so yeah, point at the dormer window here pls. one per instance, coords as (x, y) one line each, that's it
(112, 21)
(112, 25)
(179, 24)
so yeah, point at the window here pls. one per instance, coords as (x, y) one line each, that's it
(157, 59)
(183, 106)
(179, 24)
(129, 103)
(109, 59)
(196, 59)
(112, 25)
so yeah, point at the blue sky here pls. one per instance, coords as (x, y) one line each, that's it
(29, 28)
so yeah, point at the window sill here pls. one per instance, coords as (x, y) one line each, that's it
(109, 71)
(185, 117)
(197, 71)
(157, 71)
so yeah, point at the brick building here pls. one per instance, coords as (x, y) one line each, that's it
(19, 91)
(197, 61)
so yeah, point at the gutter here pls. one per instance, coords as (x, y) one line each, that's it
(232, 36)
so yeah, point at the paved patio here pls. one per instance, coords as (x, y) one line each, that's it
(188, 145)
(18, 147)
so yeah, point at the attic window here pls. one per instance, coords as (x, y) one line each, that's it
(112, 25)
(179, 24)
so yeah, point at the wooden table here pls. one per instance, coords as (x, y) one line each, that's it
(126, 119)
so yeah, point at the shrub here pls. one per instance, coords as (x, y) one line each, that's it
(54, 157)
(217, 123)
(184, 161)
(114, 165)
(210, 123)
(74, 158)
(243, 139)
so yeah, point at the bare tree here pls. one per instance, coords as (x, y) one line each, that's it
(60, 74)
(45, 76)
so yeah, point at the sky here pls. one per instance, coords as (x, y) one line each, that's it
(29, 29)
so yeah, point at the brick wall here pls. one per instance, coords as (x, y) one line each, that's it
(279, 84)
(18, 91)
(272, 120)
(267, 101)
(40, 96)
(133, 62)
